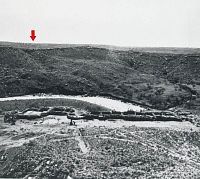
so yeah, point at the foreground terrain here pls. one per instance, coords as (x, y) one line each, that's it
(51, 148)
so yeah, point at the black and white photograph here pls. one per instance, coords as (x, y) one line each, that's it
(100, 89)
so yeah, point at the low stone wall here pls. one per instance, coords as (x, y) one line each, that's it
(103, 115)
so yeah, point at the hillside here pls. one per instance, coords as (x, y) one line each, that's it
(161, 78)
(171, 50)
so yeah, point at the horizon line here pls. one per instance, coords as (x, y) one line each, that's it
(103, 45)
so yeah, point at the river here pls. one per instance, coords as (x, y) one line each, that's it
(111, 104)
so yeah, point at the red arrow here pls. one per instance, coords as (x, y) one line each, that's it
(33, 35)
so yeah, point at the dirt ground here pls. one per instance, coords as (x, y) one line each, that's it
(50, 147)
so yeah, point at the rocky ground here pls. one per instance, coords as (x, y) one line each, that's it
(51, 148)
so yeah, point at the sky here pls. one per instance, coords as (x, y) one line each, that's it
(136, 23)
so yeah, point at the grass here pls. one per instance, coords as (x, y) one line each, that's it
(38, 103)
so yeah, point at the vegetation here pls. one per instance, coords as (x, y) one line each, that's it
(156, 77)
(124, 152)
(39, 103)
(51, 148)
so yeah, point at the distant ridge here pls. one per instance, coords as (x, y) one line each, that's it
(167, 50)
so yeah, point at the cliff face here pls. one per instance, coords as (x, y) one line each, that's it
(152, 76)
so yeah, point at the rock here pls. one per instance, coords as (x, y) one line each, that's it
(3, 158)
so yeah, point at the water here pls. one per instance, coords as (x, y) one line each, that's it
(111, 104)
